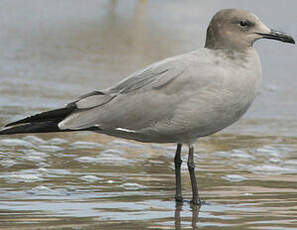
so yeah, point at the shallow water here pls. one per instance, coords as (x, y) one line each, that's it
(52, 51)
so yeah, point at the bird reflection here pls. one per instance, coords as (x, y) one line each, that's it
(177, 217)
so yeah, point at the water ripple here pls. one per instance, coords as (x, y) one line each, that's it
(234, 178)
(16, 143)
(86, 145)
(90, 178)
(21, 176)
(49, 148)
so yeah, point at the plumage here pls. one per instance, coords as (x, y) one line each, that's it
(176, 100)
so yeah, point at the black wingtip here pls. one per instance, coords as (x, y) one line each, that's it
(31, 128)
(41, 127)
(13, 123)
(52, 115)
(46, 122)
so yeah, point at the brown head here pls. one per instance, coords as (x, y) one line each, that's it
(239, 29)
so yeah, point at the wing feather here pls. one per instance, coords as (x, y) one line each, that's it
(127, 97)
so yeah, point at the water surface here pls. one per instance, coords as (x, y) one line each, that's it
(52, 51)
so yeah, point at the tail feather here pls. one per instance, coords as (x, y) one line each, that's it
(53, 115)
(45, 122)
(40, 127)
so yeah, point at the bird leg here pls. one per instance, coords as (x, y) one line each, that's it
(191, 168)
(195, 215)
(177, 163)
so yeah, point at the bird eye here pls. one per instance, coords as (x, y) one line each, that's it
(244, 23)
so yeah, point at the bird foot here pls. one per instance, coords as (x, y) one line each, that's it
(179, 199)
(196, 202)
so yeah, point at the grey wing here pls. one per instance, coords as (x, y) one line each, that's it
(155, 76)
(92, 100)
(134, 103)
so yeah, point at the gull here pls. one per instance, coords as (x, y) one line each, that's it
(176, 100)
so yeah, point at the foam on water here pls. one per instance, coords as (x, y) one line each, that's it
(114, 152)
(270, 169)
(241, 153)
(34, 158)
(90, 178)
(13, 142)
(42, 190)
(88, 159)
(49, 148)
(269, 150)
(123, 143)
(86, 145)
(7, 163)
(34, 140)
(234, 178)
(57, 141)
(32, 152)
(132, 186)
(18, 177)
